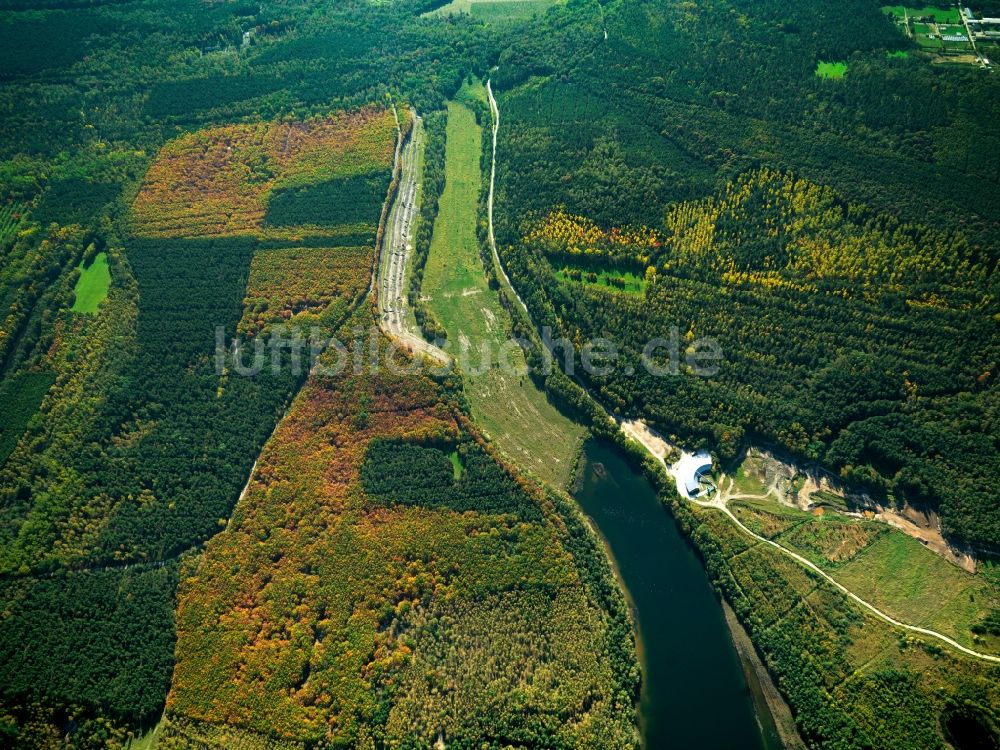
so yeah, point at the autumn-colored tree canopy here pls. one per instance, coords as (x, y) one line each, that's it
(325, 612)
(220, 181)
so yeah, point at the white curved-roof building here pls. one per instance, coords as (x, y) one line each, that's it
(688, 472)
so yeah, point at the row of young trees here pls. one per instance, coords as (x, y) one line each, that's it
(432, 185)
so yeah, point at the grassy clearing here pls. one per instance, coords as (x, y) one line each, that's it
(495, 11)
(901, 54)
(939, 15)
(831, 70)
(749, 477)
(926, 42)
(507, 405)
(885, 567)
(952, 30)
(92, 286)
(902, 577)
(615, 280)
(458, 468)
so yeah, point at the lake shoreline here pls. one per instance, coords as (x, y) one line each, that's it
(767, 697)
(670, 595)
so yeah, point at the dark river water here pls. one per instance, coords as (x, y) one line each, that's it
(694, 693)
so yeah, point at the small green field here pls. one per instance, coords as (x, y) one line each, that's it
(898, 55)
(926, 42)
(92, 286)
(898, 574)
(495, 11)
(506, 403)
(938, 15)
(831, 70)
(622, 281)
(458, 467)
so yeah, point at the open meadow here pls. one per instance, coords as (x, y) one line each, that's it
(882, 565)
(511, 410)
(495, 11)
(92, 287)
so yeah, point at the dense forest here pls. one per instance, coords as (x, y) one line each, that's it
(885, 328)
(838, 239)
(120, 443)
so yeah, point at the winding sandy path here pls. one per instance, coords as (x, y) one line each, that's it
(653, 443)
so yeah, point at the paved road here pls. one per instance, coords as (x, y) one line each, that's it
(397, 246)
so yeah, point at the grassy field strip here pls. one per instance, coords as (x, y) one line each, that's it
(92, 286)
(624, 281)
(940, 15)
(511, 410)
(493, 10)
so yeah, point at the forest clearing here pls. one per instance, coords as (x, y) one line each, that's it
(511, 410)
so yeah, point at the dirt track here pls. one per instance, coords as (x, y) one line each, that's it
(397, 246)
(654, 443)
